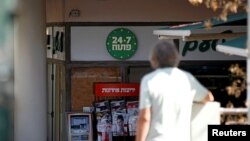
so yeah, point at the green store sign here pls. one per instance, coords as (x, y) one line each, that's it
(121, 43)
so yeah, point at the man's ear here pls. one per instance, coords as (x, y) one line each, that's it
(153, 63)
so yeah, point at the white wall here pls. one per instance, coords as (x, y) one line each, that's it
(89, 43)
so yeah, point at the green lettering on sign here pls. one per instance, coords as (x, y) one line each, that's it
(121, 43)
(202, 46)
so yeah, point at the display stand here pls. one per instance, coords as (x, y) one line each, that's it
(112, 99)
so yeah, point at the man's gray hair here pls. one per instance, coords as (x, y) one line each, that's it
(164, 54)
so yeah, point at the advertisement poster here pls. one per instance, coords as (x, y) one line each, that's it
(80, 127)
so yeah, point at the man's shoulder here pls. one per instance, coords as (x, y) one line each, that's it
(177, 71)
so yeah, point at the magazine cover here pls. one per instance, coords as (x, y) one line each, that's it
(133, 111)
(119, 118)
(104, 124)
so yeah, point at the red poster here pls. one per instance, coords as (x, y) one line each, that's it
(116, 89)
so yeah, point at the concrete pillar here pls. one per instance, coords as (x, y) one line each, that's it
(30, 107)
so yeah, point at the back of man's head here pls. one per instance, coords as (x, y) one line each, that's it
(164, 54)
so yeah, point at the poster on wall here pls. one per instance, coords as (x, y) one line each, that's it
(80, 127)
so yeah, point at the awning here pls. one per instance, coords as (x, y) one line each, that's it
(236, 46)
(198, 31)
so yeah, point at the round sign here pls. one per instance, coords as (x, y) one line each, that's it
(121, 43)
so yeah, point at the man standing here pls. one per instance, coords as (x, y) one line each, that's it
(166, 98)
